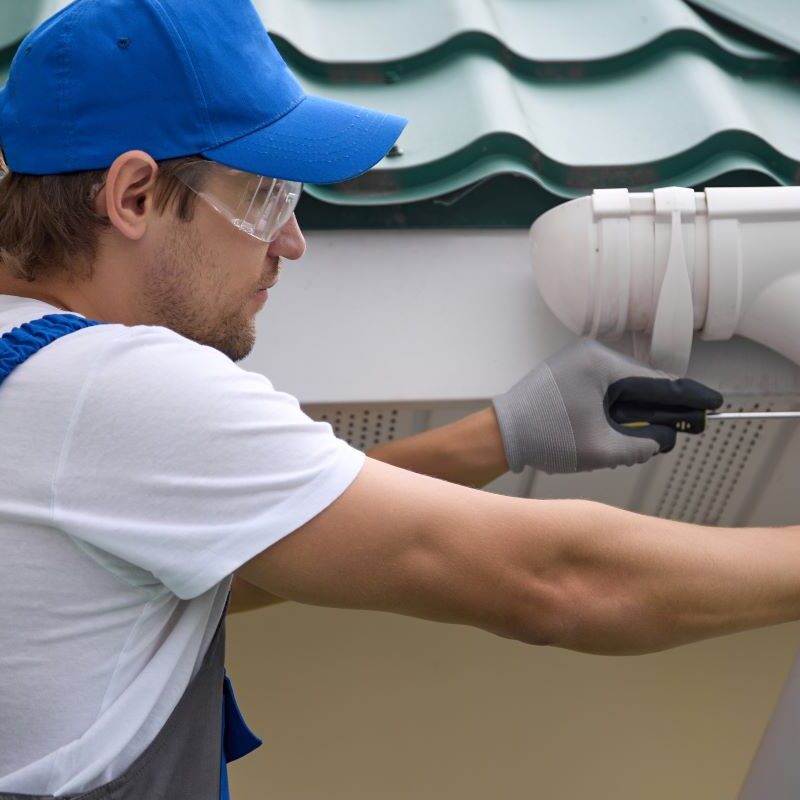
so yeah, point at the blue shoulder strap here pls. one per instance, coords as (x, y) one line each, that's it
(19, 344)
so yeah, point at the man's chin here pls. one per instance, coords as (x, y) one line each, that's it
(241, 348)
(236, 342)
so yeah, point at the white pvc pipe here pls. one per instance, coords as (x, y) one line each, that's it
(671, 263)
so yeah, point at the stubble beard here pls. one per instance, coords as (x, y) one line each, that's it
(177, 296)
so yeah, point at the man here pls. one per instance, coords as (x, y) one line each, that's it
(142, 468)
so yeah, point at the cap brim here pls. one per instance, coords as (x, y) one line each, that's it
(318, 141)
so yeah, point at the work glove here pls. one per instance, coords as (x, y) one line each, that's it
(556, 419)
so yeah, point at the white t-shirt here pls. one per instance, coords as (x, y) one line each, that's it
(138, 471)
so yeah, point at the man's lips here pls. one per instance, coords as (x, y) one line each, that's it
(261, 296)
(268, 284)
(270, 279)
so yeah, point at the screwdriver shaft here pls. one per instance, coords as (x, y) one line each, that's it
(754, 415)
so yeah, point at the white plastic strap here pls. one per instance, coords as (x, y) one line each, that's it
(612, 212)
(673, 324)
(611, 203)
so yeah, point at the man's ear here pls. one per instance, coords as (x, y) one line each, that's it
(127, 195)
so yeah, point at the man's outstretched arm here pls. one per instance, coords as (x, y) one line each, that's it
(572, 574)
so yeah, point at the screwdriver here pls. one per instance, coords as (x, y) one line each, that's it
(689, 420)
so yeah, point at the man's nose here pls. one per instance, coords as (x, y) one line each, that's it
(289, 243)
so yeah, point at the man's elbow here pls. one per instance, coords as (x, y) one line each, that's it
(572, 614)
(504, 565)
(566, 608)
(582, 611)
(561, 593)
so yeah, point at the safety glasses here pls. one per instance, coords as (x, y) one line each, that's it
(255, 204)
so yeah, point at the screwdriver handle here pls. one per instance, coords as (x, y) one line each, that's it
(683, 420)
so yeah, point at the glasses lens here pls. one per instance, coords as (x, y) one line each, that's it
(256, 205)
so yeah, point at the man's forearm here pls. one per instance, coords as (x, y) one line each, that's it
(468, 452)
(627, 583)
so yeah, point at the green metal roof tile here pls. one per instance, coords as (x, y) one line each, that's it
(366, 40)
(778, 20)
(384, 41)
(678, 117)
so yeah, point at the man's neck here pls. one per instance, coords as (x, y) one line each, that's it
(43, 297)
(65, 295)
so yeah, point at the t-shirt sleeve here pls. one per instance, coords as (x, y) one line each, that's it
(181, 462)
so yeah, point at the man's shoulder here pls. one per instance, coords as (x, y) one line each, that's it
(138, 337)
(148, 348)
(142, 364)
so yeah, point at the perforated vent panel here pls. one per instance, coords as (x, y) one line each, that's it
(712, 478)
(365, 426)
(707, 470)
(717, 478)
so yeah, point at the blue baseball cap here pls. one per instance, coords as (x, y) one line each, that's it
(176, 78)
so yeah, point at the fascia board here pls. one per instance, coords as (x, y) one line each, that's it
(437, 317)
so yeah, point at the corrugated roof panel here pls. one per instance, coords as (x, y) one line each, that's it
(334, 34)
(381, 42)
(678, 119)
(778, 20)
(569, 95)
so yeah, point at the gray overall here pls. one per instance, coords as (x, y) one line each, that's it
(186, 760)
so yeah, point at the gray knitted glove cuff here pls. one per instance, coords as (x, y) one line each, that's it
(535, 426)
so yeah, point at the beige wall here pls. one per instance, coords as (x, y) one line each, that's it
(363, 705)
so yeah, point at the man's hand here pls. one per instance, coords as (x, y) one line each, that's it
(556, 418)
